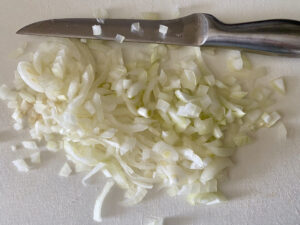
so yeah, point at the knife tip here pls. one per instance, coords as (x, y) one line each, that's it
(20, 31)
(23, 30)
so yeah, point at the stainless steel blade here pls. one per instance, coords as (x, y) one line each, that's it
(277, 36)
(189, 30)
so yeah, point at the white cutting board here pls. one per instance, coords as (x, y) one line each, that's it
(264, 186)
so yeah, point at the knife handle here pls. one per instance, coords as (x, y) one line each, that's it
(277, 36)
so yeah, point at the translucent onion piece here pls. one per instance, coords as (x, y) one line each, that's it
(163, 29)
(99, 201)
(21, 165)
(279, 85)
(65, 171)
(97, 168)
(35, 157)
(119, 38)
(213, 168)
(97, 30)
(29, 145)
(135, 27)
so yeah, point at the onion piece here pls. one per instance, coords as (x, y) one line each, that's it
(213, 168)
(163, 30)
(65, 171)
(29, 76)
(29, 145)
(96, 30)
(136, 198)
(278, 85)
(235, 61)
(189, 110)
(198, 163)
(135, 27)
(99, 201)
(119, 38)
(6, 93)
(162, 105)
(142, 111)
(96, 169)
(21, 165)
(35, 157)
(13, 148)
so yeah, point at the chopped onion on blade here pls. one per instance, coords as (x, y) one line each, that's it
(163, 30)
(135, 27)
(119, 38)
(97, 30)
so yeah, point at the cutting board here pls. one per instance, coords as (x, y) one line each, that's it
(263, 187)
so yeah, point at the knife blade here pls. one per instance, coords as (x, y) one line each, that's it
(279, 36)
(181, 31)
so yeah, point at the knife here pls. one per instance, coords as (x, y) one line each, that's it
(279, 36)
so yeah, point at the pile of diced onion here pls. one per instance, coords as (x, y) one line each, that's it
(144, 115)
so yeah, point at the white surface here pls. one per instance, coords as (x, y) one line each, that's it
(264, 185)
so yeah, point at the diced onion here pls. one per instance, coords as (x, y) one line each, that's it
(163, 29)
(213, 168)
(35, 157)
(21, 165)
(97, 30)
(135, 27)
(143, 112)
(119, 38)
(65, 171)
(279, 85)
(29, 145)
(13, 148)
(162, 105)
(189, 110)
(6, 93)
(235, 60)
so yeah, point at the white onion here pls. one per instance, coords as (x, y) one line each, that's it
(65, 171)
(97, 168)
(235, 60)
(29, 145)
(21, 165)
(13, 148)
(119, 38)
(99, 201)
(143, 115)
(162, 105)
(35, 157)
(142, 111)
(163, 29)
(135, 27)
(279, 85)
(97, 30)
